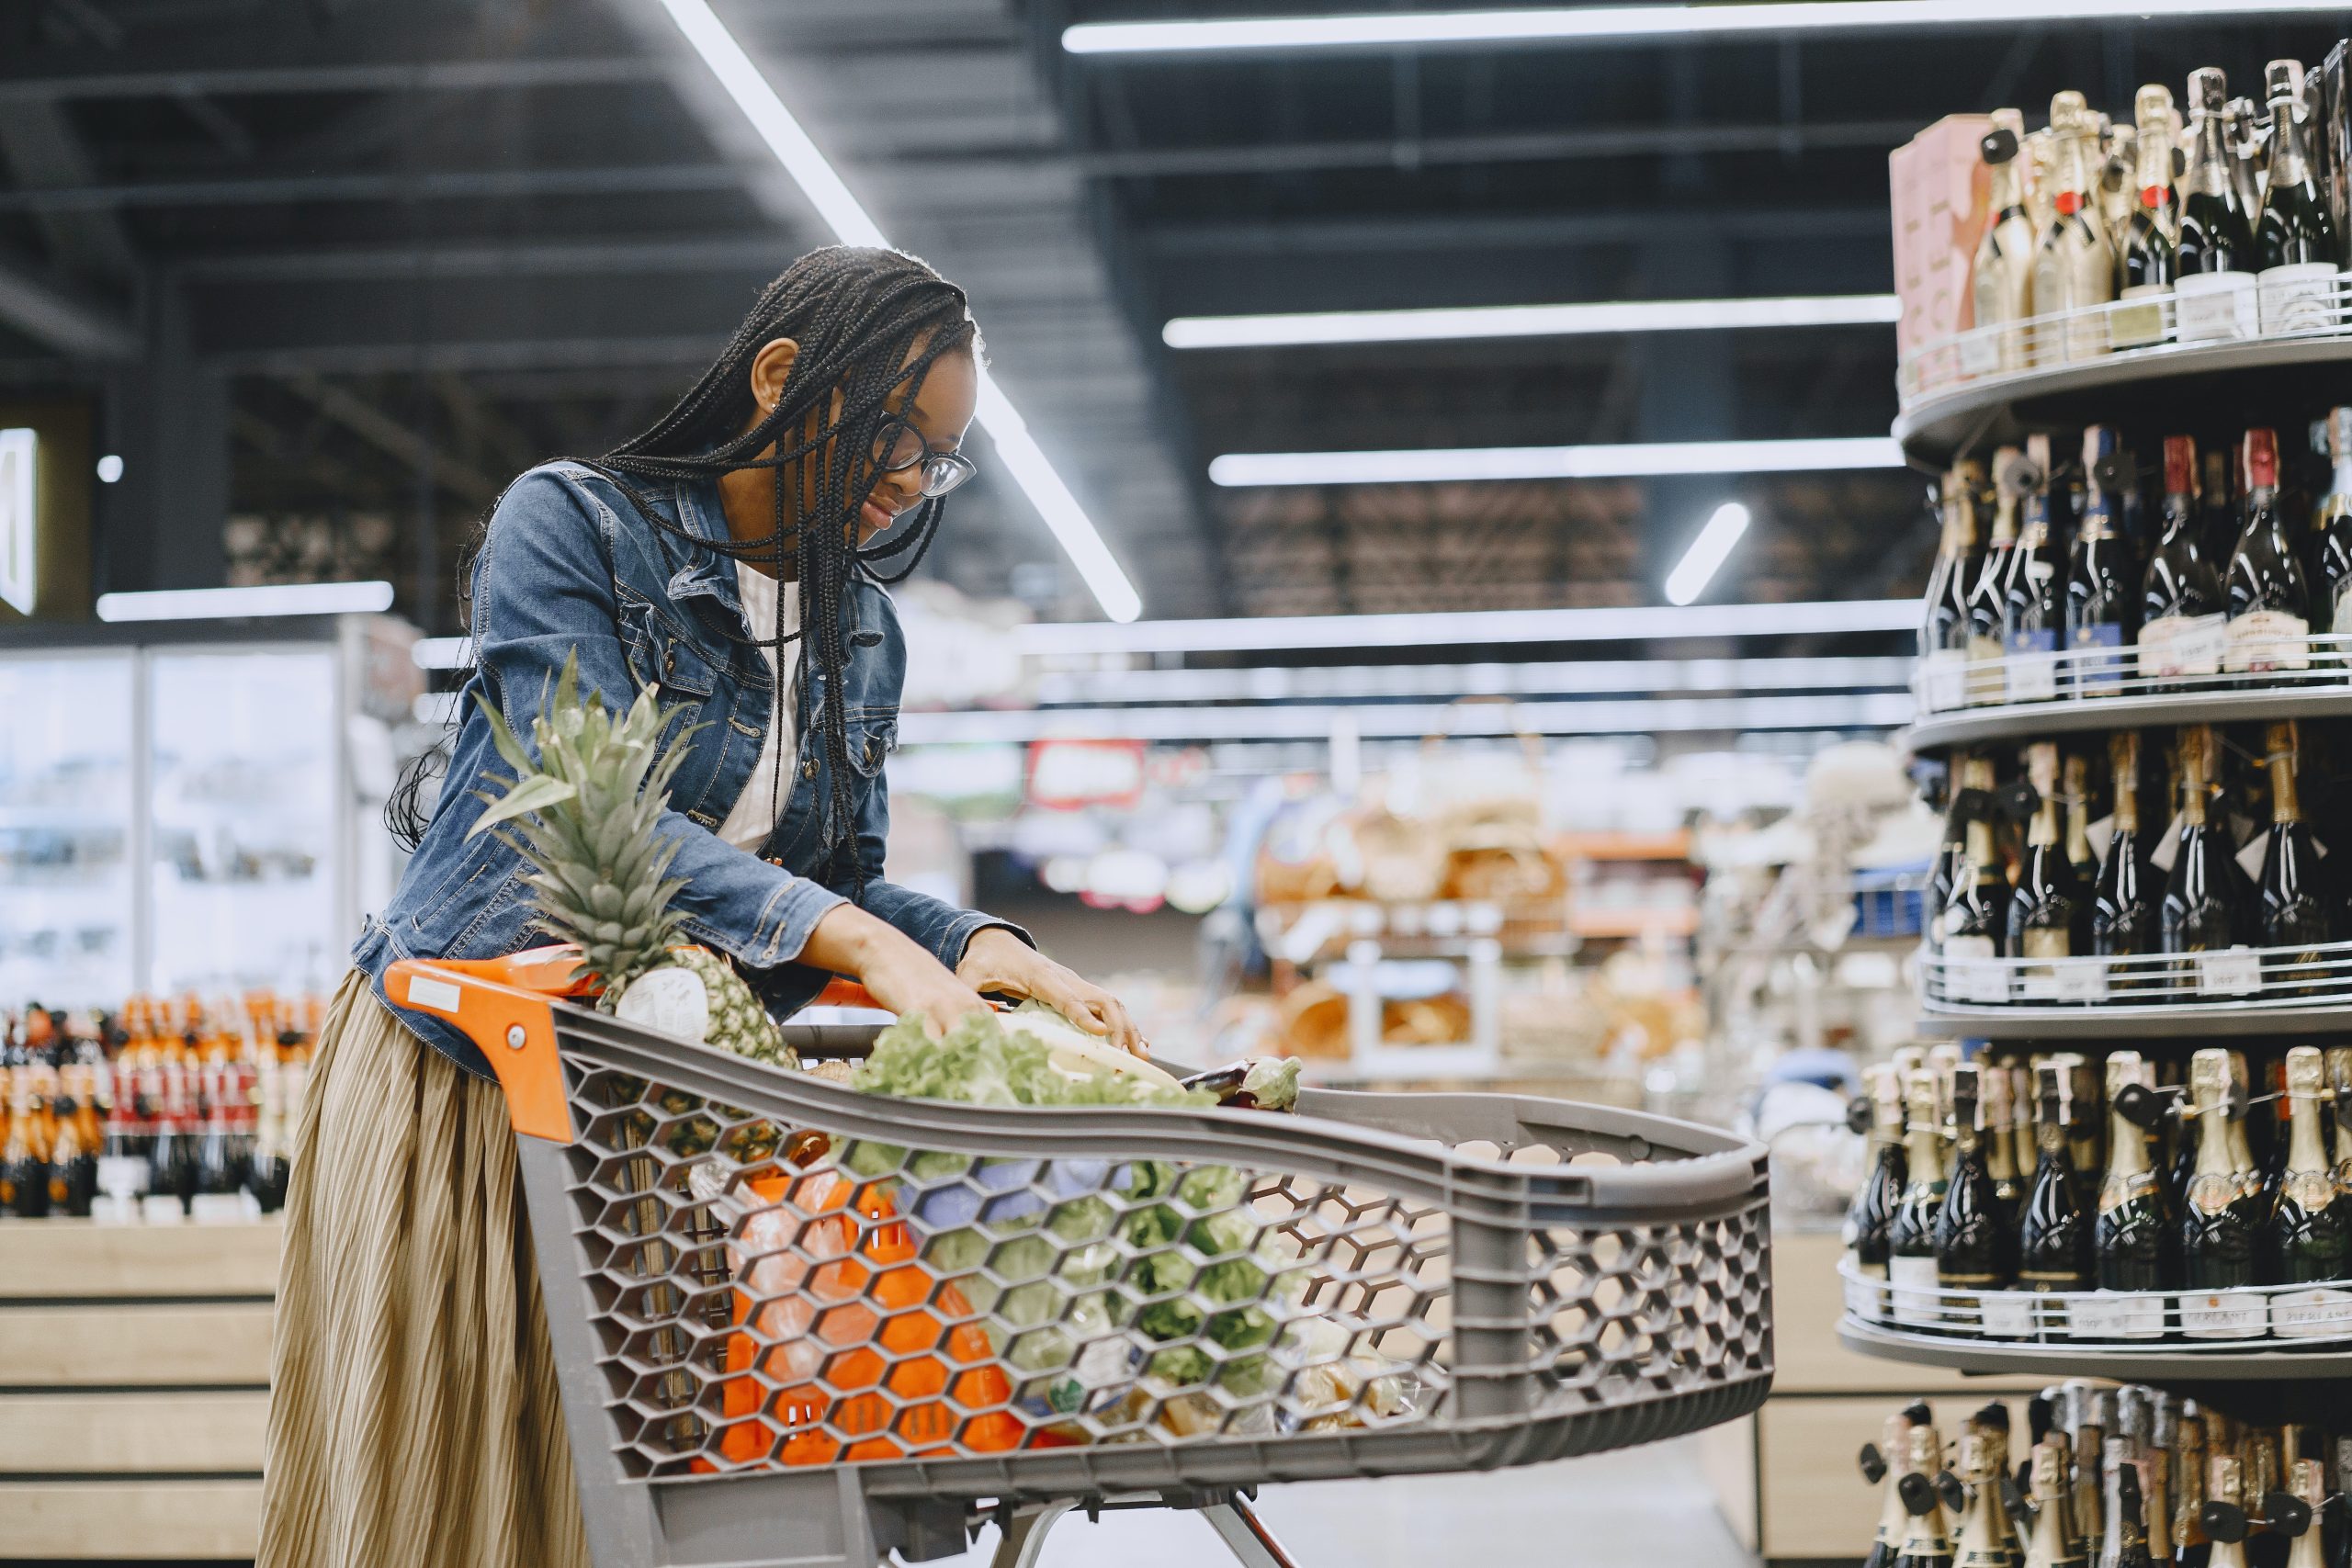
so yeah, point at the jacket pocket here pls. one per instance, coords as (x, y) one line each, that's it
(871, 742)
(659, 655)
(454, 900)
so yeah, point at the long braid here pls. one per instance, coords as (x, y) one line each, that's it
(870, 323)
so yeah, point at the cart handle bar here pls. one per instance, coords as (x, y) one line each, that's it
(501, 1004)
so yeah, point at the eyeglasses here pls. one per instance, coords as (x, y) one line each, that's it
(899, 446)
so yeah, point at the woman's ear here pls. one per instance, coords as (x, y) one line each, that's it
(770, 367)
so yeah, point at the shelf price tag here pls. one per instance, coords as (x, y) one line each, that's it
(2224, 1314)
(2008, 1315)
(2232, 972)
(1976, 980)
(2116, 1315)
(2081, 979)
(2314, 1314)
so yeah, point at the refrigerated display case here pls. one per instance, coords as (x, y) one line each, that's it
(195, 806)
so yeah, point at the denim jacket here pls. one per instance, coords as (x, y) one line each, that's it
(569, 564)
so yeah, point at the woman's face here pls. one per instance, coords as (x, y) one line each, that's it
(939, 414)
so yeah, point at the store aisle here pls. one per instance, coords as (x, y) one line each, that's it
(1639, 1508)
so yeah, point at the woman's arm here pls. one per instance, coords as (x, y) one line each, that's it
(543, 591)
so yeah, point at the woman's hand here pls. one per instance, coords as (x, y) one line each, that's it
(900, 974)
(996, 960)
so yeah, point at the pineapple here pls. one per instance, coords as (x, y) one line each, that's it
(585, 811)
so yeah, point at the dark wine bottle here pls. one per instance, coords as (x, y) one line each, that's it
(2218, 498)
(2034, 616)
(1975, 1247)
(2075, 801)
(2150, 261)
(2102, 580)
(2054, 1236)
(2049, 914)
(2202, 895)
(1961, 802)
(1975, 920)
(2125, 903)
(2136, 1243)
(2331, 568)
(2311, 1230)
(2294, 912)
(1869, 1219)
(2215, 287)
(1911, 1239)
(2222, 1227)
(2294, 242)
(2270, 600)
(2182, 606)
(1989, 595)
(1943, 627)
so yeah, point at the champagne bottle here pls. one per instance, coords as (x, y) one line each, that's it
(2215, 288)
(2102, 578)
(2054, 1239)
(2125, 905)
(1871, 1218)
(2074, 267)
(2001, 1113)
(1943, 628)
(2270, 600)
(2074, 800)
(2294, 243)
(2202, 895)
(1976, 1249)
(2182, 605)
(2001, 282)
(1974, 919)
(2049, 1544)
(1927, 1538)
(2310, 1232)
(2331, 568)
(2049, 916)
(2294, 915)
(2087, 1428)
(2135, 1242)
(2151, 259)
(2339, 1083)
(1985, 1537)
(1892, 1463)
(2225, 1484)
(2127, 1528)
(2190, 1545)
(1952, 853)
(1911, 1239)
(2307, 1481)
(2034, 616)
(2220, 1230)
(1988, 597)
(2218, 498)
(24, 1154)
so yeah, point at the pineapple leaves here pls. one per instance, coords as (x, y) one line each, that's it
(528, 794)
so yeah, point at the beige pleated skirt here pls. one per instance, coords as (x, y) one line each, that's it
(415, 1420)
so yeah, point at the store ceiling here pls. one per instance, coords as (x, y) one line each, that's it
(431, 241)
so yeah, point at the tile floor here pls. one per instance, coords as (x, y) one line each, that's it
(1643, 1507)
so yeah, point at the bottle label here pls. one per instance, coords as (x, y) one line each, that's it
(1971, 974)
(1980, 350)
(2229, 972)
(1984, 670)
(2032, 667)
(2007, 1314)
(1944, 684)
(122, 1176)
(2316, 1312)
(1866, 1298)
(1913, 1284)
(2141, 321)
(2038, 982)
(2216, 306)
(2299, 297)
(2340, 613)
(218, 1209)
(161, 1208)
(2182, 645)
(2097, 673)
(2224, 1314)
(2113, 1314)
(2262, 640)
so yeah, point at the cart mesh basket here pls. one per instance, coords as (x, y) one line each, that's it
(772, 1298)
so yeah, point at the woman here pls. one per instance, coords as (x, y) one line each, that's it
(415, 1418)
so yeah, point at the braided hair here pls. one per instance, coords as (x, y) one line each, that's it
(870, 323)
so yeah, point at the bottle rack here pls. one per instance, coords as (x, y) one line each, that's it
(1965, 395)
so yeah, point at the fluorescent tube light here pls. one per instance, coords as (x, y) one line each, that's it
(1360, 682)
(1469, 628)
(852, 225)
(1707, 553)
(231, 603)
(442, 653)
(1450, 464)
(1318, 327)
(1387, 721)
(1628, 23)
(19, 518)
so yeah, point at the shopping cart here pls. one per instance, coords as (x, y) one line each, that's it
(799, 1324)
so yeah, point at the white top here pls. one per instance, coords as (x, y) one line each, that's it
(748, 825)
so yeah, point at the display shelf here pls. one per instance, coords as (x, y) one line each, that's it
(2186, 1024)
(2299, 979)
(2021, 721)
(1947, 412)
(2167, 1364)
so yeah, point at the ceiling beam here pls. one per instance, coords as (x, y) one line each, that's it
(765, 252)
(389, 436)
(422, 76)
(1461, 231)
(61, 317)
(460, 184)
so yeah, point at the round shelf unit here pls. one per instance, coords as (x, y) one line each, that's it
(1947, 411)
(2068, 716)
(2166, 1364)
(2188, 1024)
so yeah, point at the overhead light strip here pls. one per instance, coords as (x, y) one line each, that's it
(1470, 628)
(1352, 682)
(1878, 710)
(1455, 465)
(231, 604)
(1725, 527)
(852, 225)
(1634, 23)
(1318, 328)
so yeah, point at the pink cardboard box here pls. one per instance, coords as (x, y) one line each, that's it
(1940, 187)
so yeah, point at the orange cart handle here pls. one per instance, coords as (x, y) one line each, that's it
(841, 993)
(501, 1004)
